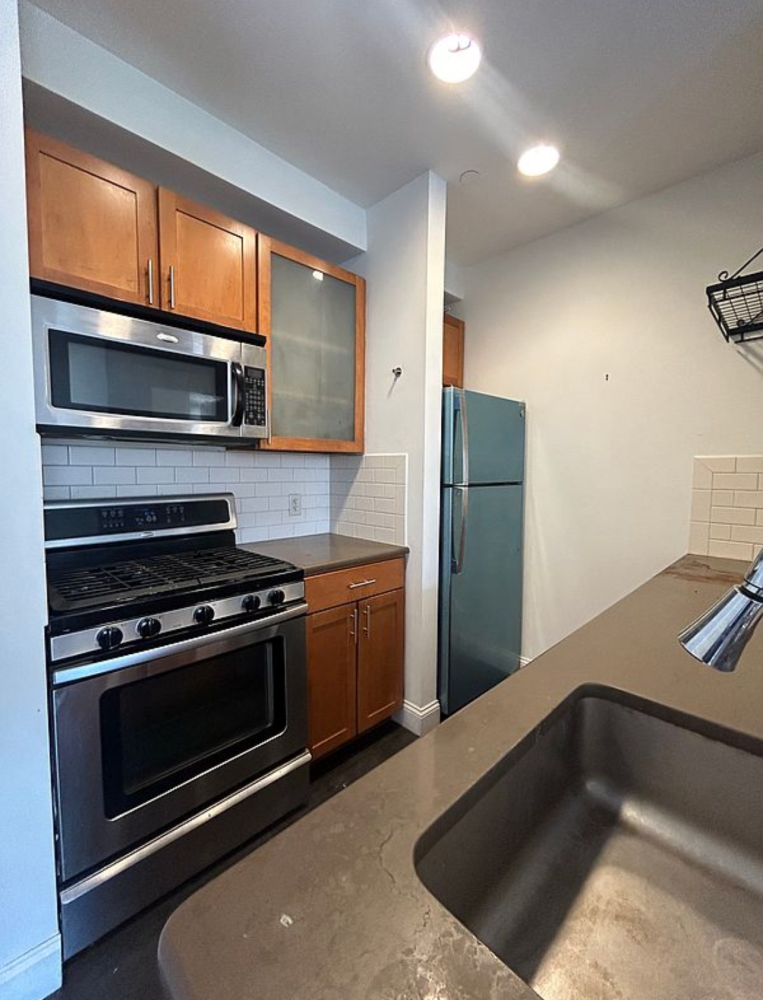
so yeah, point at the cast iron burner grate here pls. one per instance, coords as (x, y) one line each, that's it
(123, 581)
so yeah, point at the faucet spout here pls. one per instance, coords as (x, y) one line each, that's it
(719, 636)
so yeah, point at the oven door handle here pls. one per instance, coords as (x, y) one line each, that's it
(65, 675)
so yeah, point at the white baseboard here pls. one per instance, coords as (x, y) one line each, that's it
(418, 720)
(35, 974)
(524, 660)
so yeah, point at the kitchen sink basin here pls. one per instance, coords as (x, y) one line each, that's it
(615, 854)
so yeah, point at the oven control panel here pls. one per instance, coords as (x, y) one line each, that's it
(78, 523)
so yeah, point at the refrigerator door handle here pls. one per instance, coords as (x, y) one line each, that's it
(464, 440)
(458, 563)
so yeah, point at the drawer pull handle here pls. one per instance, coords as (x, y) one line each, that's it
(362, 583)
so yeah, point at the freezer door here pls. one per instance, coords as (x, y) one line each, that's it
(484, 439)
(481, 603)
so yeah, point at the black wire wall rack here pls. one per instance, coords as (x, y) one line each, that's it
(736, 303)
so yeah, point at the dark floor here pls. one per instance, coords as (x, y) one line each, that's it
(123, 965)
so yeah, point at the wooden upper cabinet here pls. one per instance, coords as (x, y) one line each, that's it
(331, 641)
(91, 225)
(380, 657)
(313, 315)
(453, 352)
(208, 263)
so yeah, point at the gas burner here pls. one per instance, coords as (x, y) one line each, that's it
(113, 585)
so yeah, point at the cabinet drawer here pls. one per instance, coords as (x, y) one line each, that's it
(355, 584)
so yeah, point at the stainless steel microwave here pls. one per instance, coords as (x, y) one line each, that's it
(107, 374)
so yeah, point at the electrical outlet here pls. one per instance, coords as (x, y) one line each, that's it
(295, 504)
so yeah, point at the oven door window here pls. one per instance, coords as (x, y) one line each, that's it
(162, 731)
(109, 376)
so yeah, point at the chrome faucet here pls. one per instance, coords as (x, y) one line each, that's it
(719, 636)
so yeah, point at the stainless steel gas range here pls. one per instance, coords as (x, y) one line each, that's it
(179, 698)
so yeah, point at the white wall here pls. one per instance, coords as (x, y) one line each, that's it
(30, 958)
(604, 330)
(405, 271)
(64, 62)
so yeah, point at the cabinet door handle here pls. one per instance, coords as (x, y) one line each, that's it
(354, 625)
(361, 583)
(150, 282)
(367, 626)
(172, 286)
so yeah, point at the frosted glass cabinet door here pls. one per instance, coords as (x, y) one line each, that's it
(314, 324)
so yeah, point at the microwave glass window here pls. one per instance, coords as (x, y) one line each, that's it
(111, 377)
(161, 731)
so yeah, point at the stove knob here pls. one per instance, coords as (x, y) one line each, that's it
(109, 637)
(276, 597)
(147, 628)
(251, 603)
(203, 615)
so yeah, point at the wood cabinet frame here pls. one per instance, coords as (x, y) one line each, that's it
(171, 203)
(265, 247)
(147, 244)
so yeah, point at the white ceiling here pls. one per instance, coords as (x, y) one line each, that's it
(639, 94)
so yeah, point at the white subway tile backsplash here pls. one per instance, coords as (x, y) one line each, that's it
(735, 481)
(192, 475)
(368, 496)
(730, 550)
(92, 492)
(700, 505)
(719, 463)
(155, 474)
(50, 493)
(114, 476)
(261, 483)
(720, 531)
(174, 456)
(732, 525)
(137, 455)
(91, 455)
(209, 456)
(732, 515)
(55, 454)
(67, 475)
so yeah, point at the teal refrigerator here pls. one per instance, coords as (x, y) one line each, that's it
(481, 527)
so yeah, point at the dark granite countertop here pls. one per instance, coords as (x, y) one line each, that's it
(332, 908)
(324, 553)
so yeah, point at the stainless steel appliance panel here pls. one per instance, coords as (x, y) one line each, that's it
(133, 376)
(136, 754)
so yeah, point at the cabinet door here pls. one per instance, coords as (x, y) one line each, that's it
(380, 658)
(453, 352)
(91, 225)
(313, 315)
(331, 644)
(208, 263)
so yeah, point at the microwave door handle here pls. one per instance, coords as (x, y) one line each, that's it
(239, 394)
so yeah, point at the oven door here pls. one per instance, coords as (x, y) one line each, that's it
(101, 371)
(141, 747)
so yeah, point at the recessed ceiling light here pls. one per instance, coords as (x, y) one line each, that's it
(538, 160)
(318, 275)
(454, 58)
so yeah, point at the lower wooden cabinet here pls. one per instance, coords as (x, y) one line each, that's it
(355, 654)
(331, 678)
(380, 658)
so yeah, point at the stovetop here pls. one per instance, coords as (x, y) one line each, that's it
(127, 581)
(131, 574)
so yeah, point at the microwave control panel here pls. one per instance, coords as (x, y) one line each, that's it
(255, 412)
